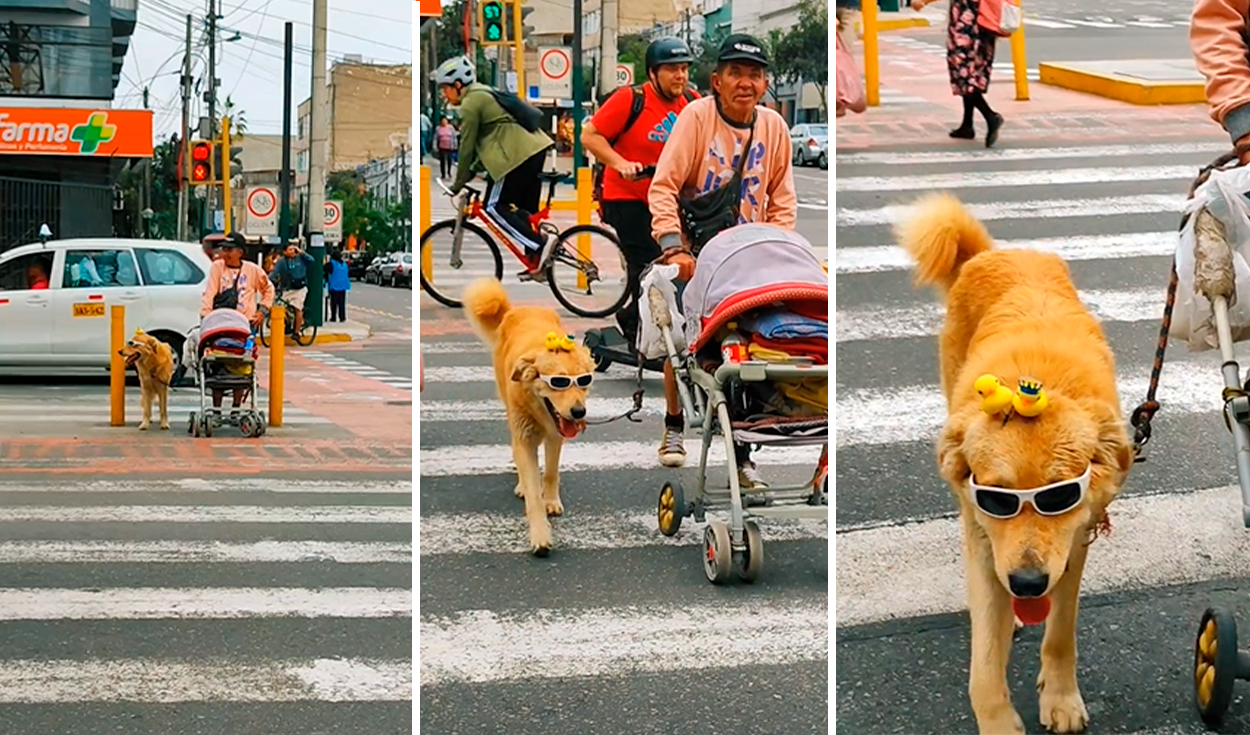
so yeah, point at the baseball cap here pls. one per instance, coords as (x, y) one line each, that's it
(233, 240)
(741, 47)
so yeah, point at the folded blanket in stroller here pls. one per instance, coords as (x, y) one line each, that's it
(784, 324)
(817, 349)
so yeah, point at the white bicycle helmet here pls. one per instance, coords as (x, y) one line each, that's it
(455, 69)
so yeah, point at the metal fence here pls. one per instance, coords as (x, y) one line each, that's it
(69, 210)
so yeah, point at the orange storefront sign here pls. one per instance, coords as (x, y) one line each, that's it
(75, 132)
(430, 8)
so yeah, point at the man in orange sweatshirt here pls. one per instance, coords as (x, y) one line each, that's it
(702, 154)
(1217, 34)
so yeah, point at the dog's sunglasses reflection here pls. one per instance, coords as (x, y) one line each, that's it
(1054, 499)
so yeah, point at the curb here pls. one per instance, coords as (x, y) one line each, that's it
(1117, 87)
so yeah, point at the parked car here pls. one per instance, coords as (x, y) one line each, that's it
(373, 270)
(402, 271)
(395, 268)
(357, 261)
(55, 298)
(808, 141)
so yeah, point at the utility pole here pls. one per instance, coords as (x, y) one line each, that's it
(317, 123)
(607, 47)
(185, 153)
(519, 40)
(284, 179)
(212, 95)
(145, 215)
(577, 84)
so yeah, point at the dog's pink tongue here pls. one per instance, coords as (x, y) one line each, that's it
(1031, 610)
(570, 429)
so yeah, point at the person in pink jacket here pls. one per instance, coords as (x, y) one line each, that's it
(1217, 35)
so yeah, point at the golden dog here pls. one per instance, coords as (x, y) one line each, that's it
(153, 360)
(543, 378)
(1013, 318)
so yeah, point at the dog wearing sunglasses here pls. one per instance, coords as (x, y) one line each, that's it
(543, 378)
(1034, 448)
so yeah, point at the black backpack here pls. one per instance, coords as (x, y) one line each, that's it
(637, 102)
(525, 114)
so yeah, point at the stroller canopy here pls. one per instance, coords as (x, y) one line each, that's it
(750, 267)
(224, 323)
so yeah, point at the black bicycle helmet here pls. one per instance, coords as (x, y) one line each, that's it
(668, 51)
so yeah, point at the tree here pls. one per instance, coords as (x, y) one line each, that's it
(164, 193)
(237, 118)
(801, 54)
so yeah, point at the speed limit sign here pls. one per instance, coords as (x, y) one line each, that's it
(333, 223)
(262, 211)
(624, 75)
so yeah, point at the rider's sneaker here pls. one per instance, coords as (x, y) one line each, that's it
(534, 260)
(672, 448)
(749, 476)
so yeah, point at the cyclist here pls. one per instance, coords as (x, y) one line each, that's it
(627, 134)
(492, 139)
(290, 275)
(702, 159)
(1217, 34)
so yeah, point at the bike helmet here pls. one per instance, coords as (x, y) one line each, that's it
(668, 51)
(455, 69)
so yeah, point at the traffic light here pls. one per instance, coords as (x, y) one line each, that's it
(201, 162)
(236, 165)
(491, 22)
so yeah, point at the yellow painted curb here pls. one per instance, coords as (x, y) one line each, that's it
(894, 24)
(1111, 86)
(564, 205)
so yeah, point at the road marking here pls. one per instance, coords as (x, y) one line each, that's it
(600, 407)
(1045, 23)
(547, 644)
(917, 413)
(1148, 24)
(877, 323)
(1169, 539)
(879, 258)
(1094, 23)
(189, 552)
(165, 681)
(453, 348)
(493, 459)
(1028, 154)
(398, 487)
(1171, 204)
(486, 374)
(200, 603)
(1007, 179)
(497, 533)
(206, 514)
(369, 372)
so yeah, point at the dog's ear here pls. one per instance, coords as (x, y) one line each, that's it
(524, 369)
(952, 462)
(1113, 450)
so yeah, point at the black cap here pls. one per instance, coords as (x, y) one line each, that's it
(233, 240)
(741, 47)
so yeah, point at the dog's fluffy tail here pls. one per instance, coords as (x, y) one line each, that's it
(941, 235)
(485, 304)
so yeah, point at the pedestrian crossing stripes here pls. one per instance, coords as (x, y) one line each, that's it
(1111, 212)
(938, 20)
(365, 371)
(212, 593)
(89, 405)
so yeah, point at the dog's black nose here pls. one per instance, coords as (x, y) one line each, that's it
(1028, 583)
(579, 413)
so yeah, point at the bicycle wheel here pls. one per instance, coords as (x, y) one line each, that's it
(597, 281)
(450, 277)
(307, 335)
(264, 332)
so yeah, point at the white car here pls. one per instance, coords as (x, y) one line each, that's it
(55, 298)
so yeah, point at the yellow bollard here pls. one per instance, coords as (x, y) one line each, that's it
(277, 350)
(227, 203)
(117, 366)
(427, 256)
(585, 205)
(872, 71)
(1020, 67)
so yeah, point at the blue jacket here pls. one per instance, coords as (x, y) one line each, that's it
(338, 277)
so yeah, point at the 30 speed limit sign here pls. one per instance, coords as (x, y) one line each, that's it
(262, 211)
(333, 223)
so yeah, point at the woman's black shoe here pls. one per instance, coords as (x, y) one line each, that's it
(967, 133)
(991, 135)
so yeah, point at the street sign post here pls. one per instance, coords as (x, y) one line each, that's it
(624, 75)
(334, 221)
(262, 211)
(555, 72)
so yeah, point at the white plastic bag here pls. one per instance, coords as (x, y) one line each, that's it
(1193, 320)
(650, 339)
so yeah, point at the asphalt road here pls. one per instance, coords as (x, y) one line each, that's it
(1177, 544)
(383, 308)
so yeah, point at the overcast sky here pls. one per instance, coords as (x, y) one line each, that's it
(250, 68)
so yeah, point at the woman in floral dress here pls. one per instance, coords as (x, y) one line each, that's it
(970, 58)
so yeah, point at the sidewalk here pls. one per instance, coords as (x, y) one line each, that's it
(348, 331)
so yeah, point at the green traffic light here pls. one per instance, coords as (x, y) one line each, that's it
(492, 33)
(493, 11)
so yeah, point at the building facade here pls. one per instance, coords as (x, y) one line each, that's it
(62, 144)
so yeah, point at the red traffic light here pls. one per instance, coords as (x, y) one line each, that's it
(201, 161)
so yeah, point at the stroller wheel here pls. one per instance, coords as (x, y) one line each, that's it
(247, 426)
(207, 425)
(191, 424)
(602, 362)
(1215, 665)
(717, 553)
(753, 555)
(671, 509)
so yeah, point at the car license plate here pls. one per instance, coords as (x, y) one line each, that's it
(88, 310)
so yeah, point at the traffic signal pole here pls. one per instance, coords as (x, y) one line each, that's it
(226, 202)
(519, 41)
(315, 217)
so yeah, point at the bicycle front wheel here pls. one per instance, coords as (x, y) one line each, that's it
(586, 272)
(450, 271)
(307, 335)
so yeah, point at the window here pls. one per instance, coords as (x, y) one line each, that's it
(99, 269)
(21, 274)
(167, 268)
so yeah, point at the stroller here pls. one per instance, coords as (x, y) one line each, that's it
(225, 360)
(767, 388)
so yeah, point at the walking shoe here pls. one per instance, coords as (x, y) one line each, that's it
(672, 448)
(749, 476)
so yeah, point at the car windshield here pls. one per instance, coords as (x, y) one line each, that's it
(818, 130)
(407, 258)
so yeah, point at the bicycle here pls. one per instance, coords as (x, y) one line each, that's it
(584, 269)
(307, 334)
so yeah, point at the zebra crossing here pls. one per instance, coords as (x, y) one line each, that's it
(618, 623)
(365, 371)
(155, 605)
(1111, 211)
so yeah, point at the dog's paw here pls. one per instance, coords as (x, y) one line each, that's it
(540, 540)
(1018, 624)
(520, 493)
(164, 426)
(144, 426)
(1010, 723)
(1062, 709)
(554, 507)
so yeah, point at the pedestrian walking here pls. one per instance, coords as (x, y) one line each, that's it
(337, 285)
(445, 144)
(970, 59)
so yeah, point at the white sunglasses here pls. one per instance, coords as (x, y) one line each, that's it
(564, 382)
(1054, 499)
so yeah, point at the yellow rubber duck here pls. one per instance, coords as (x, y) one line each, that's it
(1030, 400)
(995, 397)
(555, 342)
